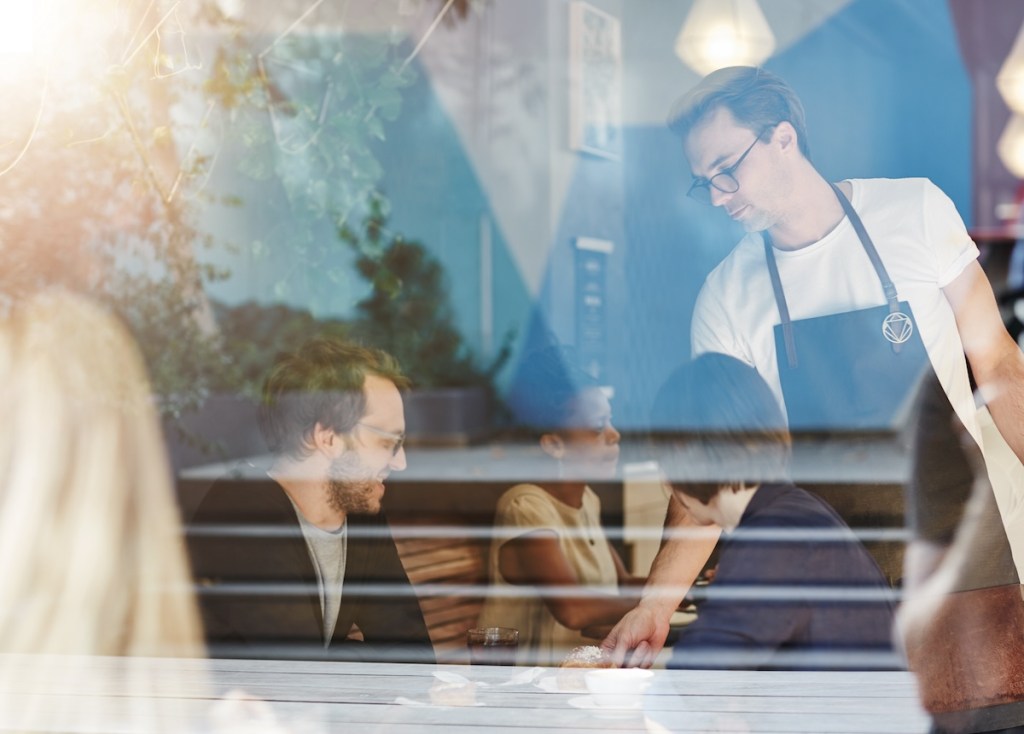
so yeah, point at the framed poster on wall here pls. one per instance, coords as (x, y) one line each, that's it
(595, 81)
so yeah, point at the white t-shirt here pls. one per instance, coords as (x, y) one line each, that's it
(920, 238)
(525, 508)
(924, 245)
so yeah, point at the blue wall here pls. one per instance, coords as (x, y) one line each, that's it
(886, 94)
(437, 198)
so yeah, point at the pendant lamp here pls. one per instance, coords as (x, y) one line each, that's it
(1010, 146)
(1010, 79)
(720, 33)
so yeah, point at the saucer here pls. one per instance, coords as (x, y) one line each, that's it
(588, 703)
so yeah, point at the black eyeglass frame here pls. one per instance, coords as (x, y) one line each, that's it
(700, 189)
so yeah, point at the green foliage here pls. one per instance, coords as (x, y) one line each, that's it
(254, 335)
(408, 313)
(306, 112)
(103, 183)
(184, 359)
(99, 199)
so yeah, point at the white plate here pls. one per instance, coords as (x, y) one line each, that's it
(589, 704)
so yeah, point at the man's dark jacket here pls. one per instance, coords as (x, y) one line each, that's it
(258, 588)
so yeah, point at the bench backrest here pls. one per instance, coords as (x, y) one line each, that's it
(449, 573)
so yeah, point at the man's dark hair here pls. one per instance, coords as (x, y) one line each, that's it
(757, 99)
(320, 383)
(727, 427)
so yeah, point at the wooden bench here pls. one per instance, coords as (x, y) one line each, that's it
(434, 562)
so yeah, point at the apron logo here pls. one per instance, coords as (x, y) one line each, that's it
(897, 327)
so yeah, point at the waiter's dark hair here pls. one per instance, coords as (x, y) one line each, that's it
(726, 425)
(320, 383)
(757, 99)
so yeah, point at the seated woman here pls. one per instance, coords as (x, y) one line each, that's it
(92, 560)
(553, 572)
(794, 587)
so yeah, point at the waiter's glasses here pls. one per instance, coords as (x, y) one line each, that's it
(724, 180)
(398, 439)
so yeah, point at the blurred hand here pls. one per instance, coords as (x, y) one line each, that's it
(239, 712)
(637, 639)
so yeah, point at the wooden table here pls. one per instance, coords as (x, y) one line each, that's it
(353, 698)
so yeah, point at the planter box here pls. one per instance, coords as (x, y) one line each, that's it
(451, 416)
(223, 429)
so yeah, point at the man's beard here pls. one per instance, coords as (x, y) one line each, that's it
(760, 221)
(350, 490)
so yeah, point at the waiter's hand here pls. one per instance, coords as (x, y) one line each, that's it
(638, 638)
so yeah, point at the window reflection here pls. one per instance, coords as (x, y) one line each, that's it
(459, 185)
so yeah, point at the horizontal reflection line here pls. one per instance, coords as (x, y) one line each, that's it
(757, 593)
(456, 532)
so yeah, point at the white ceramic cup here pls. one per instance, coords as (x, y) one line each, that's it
(617, 687)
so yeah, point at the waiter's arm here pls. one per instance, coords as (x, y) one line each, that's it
(685, 547)
(996, 360)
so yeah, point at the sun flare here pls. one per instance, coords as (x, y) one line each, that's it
(17, 27)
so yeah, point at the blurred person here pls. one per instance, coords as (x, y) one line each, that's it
(92, 561)
(962, 620)
(553, 572)
(842, 296)
(794, 587)
(301, 563)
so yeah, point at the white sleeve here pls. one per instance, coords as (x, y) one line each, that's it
(946, 235)
(711, 330)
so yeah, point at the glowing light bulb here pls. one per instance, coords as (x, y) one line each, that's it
(719, 33)
(1010, 146)
(1010, 79)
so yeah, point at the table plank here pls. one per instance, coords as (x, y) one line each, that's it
(97, 694)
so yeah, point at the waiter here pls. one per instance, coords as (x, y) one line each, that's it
(842, 296)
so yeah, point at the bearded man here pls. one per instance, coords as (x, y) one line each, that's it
(301, 563)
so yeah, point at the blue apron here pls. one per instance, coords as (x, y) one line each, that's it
(848, 371)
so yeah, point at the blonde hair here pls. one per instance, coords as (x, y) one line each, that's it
(92, 560)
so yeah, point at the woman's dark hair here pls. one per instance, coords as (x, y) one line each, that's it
(725, 427)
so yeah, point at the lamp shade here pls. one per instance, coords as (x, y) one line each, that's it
(1011, 146)
(720, 33)
(1010, 79)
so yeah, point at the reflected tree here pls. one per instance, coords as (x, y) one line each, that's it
(100, 174)
(118, 118)
(408, 312)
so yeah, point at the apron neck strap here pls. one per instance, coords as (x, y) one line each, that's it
(869, 247)
(891, 296)
(780, 299)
